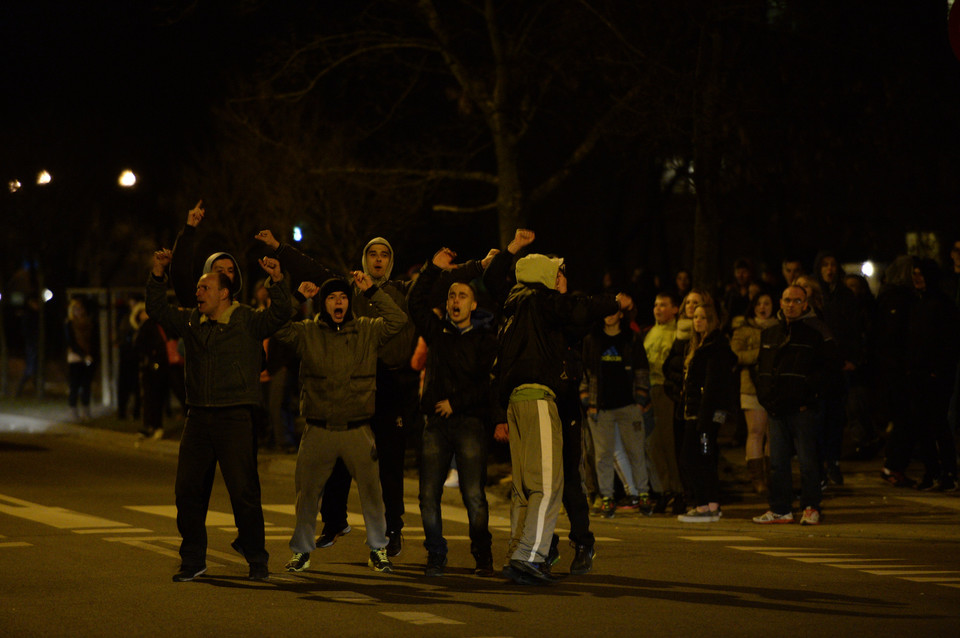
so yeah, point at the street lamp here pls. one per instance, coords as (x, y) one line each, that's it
(127, 179)
(43, 178)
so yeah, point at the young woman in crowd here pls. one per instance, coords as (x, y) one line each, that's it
(708, 389)
(745, 343)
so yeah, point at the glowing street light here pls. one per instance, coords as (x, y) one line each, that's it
(43, 177)
(127, 179)
(297, 234)
(867, 269)
(14, 185)
(47, 294)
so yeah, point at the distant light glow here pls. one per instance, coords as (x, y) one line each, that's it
(14, 185)
(127, 179)
(297, 234)
(867, 269)
(43, 177)
(47, 294)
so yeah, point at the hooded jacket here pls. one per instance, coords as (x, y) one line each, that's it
(338, 363)
(183, 272)
(532, 341)
(841, 313)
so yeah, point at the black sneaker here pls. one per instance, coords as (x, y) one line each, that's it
(188, 573)
(328, 538)
(299, 562)
(259, 571)
(927, 484)
(379, 562)
(608, 507)
(660, 507)
(484, 564)
(526, 573)
(394, 543)
(435, 564)
(553, 556)
(834, 473)
(583, 559)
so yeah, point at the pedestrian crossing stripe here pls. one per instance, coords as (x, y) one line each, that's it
(420, 618)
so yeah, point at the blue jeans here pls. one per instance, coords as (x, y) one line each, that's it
(464, 438)
(796, 431)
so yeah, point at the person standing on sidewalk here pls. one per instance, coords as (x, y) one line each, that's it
(223, 344)
(456, 402)
(796, 357)
(338, 363)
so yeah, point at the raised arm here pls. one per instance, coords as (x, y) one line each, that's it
(299, 266)
(174, 321)
(183, 272)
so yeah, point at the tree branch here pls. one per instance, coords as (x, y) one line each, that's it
(474, 176)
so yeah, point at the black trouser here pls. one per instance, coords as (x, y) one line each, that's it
(574, 496)
(926, 428)
(396, 408)
(699, 467)
(225, 436)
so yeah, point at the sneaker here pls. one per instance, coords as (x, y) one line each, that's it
(328, 538)
(188, 573)
(435, 564)
(646, 504)
(947, 484)
(660, 507)
(299, 562)
(696, 516)
(394, 543)
(157, 434)
(379, 562)
(583, 559)
(484, 564)
(526, 573)
(834, 473)
(896, 479)
(259, 571)
(607, 507)
(772, 517)
(927, 484)
(629, 503)
(811, 516)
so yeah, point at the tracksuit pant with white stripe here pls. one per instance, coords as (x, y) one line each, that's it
(536, 453)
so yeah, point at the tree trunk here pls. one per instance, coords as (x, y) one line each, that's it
(707, 161)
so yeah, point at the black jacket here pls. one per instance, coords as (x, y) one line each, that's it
(712, 382)
(794, 363)
(458, 363)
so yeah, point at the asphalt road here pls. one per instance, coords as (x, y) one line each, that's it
(88, 545)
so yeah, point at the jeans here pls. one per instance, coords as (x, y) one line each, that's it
(795, 431)
(463, 438)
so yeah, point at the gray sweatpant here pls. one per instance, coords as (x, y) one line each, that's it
(536, 453)
(319, 450)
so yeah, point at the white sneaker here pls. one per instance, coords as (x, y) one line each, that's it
(771, 517)
(453, 479)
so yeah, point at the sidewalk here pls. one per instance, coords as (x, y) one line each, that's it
(865, 506)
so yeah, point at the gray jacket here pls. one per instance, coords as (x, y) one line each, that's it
(338, 367)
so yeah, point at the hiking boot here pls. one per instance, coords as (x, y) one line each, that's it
(394, 543)
(188, 573)
(299, 562)
(811, 516)
(379, 562)
(435, 564)
(259, 571)
(607, 507)
(328, 538)
(771, 517)
(583, 559)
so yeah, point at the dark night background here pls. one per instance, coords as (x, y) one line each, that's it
(629, 135)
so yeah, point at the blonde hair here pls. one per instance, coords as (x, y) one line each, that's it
(696, 339)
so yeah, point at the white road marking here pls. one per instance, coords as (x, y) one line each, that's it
(901, 572)
(935, 501)
(15, 544)
(930, 579)
(420, 618)
(54, 516)
(114, 530)
(724, 539)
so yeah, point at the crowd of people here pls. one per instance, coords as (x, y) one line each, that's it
(606, 406)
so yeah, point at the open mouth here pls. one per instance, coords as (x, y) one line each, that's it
(338, 313)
